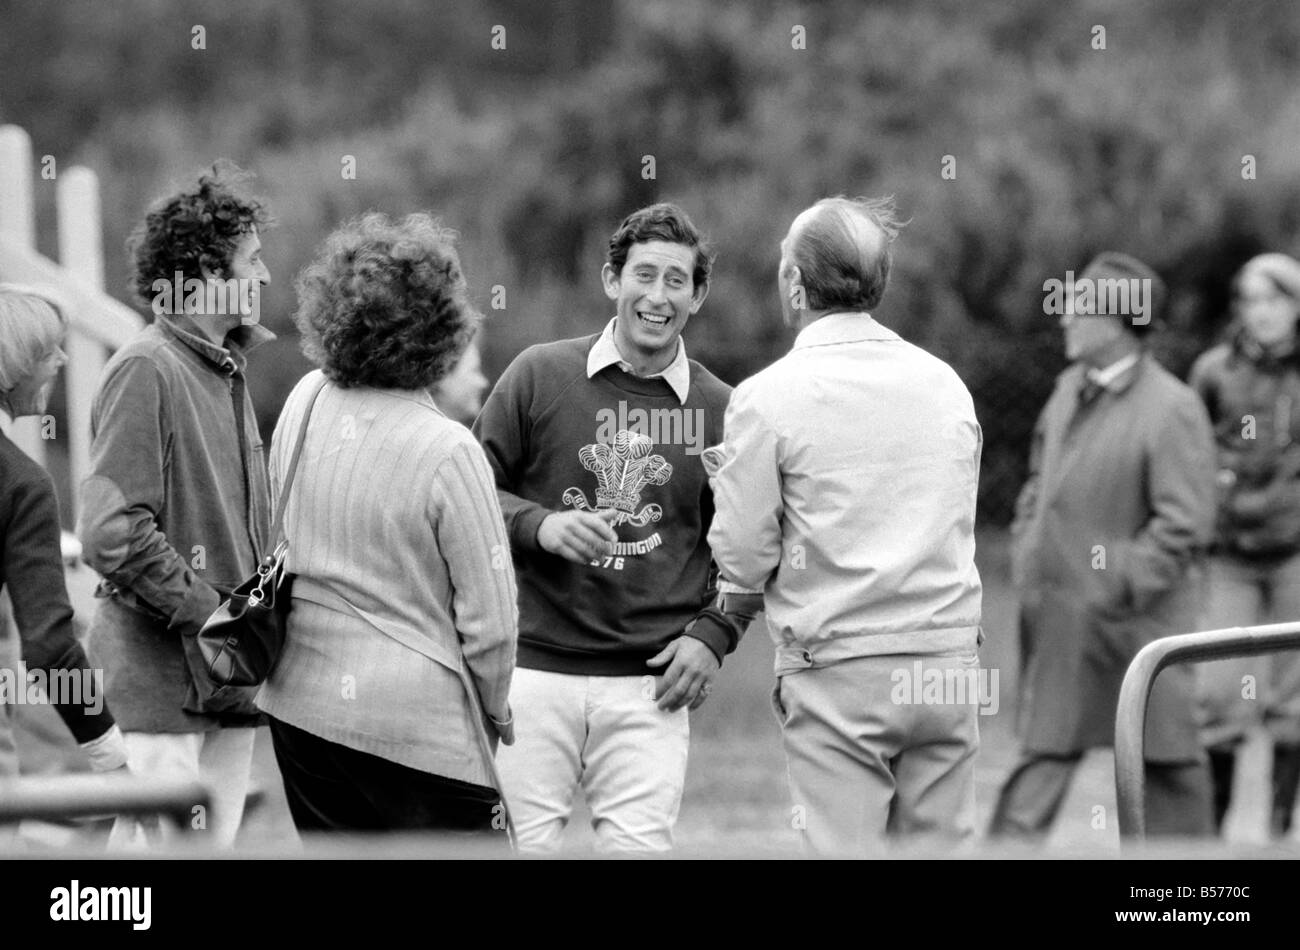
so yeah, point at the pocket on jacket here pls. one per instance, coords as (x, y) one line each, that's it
(1114, 636)
(133, 605)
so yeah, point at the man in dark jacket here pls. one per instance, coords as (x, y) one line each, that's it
(174, 512)
(1108, 534)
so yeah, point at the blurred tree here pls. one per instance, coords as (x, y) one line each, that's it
(536, 151)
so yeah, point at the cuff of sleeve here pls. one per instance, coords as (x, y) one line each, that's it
(741, 606)
(729, 587)
(524, 534)
(714, 632)
(108, 752)
(505, 727)
(197, 607)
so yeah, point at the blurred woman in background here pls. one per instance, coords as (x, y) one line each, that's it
(1251, 386)
(32, 332)
(398, 548)
(459, 394)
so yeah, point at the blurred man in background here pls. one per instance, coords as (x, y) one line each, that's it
(596, 444)
(1109, 527)
(848, 493)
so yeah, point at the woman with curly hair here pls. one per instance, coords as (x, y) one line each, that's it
(402, 574)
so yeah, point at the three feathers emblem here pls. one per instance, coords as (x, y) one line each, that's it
(622, 470)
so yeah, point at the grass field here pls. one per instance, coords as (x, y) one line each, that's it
(736, 798)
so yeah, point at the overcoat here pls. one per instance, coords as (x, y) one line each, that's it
(1107, 549)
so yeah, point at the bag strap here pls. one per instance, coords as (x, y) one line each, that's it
(277, 526)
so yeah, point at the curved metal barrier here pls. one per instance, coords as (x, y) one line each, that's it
(1135, 694)
(86, 796)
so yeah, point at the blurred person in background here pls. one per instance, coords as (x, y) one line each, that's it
(459, 394)
(174, 512)
(620, 633)
(1107, 544)
(848, 495)
(32, 334)
(1251, 386)
(395, 537)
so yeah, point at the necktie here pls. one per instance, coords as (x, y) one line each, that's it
(1089, 391)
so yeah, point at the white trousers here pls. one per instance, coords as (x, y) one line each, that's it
(605, 735)
(221, 760)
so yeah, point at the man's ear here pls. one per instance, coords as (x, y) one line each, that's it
(697, 298)
(795, 278)
(611, 281)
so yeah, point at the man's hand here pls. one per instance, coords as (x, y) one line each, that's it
(578, 536)
(689, 675)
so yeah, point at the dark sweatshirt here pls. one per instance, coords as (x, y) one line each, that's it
(558, 441)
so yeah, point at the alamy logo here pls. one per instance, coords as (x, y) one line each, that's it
(234, 295)
(1103, 296)
(134, 904)
(622, 470)
(23, 687)
(673, 426)
(922, 685)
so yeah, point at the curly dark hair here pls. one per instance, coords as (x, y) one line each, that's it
(661, 222)
(195, 228)
(384, 303)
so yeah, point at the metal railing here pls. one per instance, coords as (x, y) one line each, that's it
(1135, 695)
(57, 797)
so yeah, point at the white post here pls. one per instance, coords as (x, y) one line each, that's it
(18, 226)
(81, 252)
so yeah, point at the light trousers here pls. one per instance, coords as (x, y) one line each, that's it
(865, 766)
(1235, 694)
(605, 735)
(221, 759)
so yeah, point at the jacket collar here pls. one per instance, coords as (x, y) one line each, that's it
(1129, 376)
(1079, 373)
(843, 328)
(1250, 349)
(1110, 376)
(227, 359)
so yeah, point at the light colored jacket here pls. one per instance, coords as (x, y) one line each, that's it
(393, 516)
(848, 495)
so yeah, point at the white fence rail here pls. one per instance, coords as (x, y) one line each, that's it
(97, 322)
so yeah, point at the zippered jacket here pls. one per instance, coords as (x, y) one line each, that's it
(174, 513)
(1253, 397)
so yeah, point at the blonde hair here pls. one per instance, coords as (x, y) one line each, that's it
(31, 326)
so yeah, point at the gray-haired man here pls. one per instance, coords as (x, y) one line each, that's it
(848, 494)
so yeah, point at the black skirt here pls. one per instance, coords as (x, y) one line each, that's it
(333, 788)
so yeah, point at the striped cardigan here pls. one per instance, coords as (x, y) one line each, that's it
(395, 511)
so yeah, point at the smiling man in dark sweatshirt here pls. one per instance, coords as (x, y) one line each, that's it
(596, 446)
